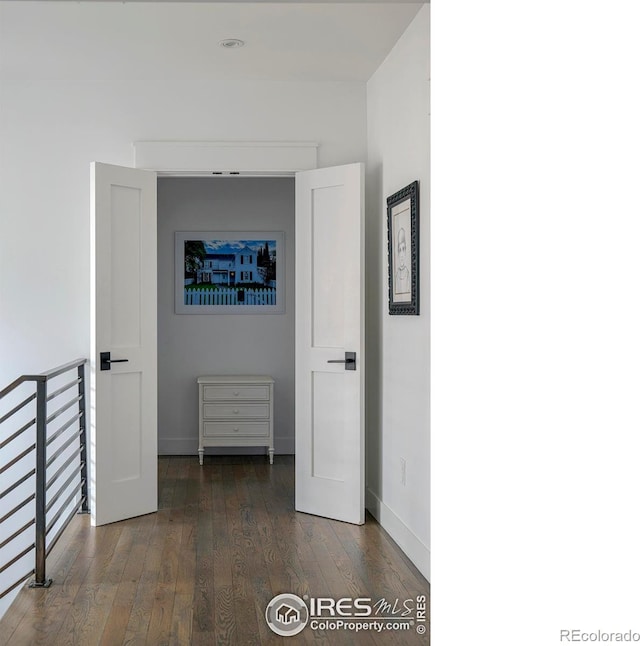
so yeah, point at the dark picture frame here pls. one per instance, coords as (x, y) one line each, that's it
(403, 250)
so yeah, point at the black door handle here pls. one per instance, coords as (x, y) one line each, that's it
(349, 361)
(106, 361)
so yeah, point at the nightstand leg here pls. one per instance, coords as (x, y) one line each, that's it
(201, 455)
(271, 452)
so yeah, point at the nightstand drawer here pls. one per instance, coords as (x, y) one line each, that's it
(238, 392)
(232, 410)
(231, 429)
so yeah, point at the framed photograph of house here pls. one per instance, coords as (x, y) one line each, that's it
(229, 272)
(402, 227)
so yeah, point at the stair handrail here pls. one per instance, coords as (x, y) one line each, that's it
(41, 421)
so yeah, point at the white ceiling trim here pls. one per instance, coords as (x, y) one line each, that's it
(213, 158)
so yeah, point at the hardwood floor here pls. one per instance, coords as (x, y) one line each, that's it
(224, 542)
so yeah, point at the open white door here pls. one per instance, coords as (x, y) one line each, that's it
(330, 326)
(123, 331)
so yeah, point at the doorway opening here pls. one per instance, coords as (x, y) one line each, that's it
(192, 345)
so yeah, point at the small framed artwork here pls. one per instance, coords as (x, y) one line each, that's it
(402, 226)
(229, 272)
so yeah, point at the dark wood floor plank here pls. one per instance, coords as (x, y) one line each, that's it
(98, 590)
(252, 550)
(241, 549)
(160, 622)
(224, 624)
(140, 615)
(203, 588)
(31, 613)
(202, 570)
(181, 620)
(378, 557)
(118, 619)
(387, 577)
(282, 576)
(340, 582)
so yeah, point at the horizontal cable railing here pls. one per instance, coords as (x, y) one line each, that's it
(52, 457)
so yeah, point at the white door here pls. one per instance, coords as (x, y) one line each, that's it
(330, 324)
(123, 324)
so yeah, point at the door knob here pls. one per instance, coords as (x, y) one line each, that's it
(106, 361)
(349, 361)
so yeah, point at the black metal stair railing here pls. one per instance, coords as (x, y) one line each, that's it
(52, 455)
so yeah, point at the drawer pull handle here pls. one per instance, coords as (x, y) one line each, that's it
(235, 412)
(236, 429)
(235, 393)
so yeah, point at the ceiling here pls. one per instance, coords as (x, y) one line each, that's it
(285, 41)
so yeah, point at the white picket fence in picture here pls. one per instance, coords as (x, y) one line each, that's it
(222, 296)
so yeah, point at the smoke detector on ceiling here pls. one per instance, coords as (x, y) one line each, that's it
(231, 43)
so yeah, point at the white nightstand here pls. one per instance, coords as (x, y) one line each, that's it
(235, 411)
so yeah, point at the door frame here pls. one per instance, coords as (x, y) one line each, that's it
(234, 159)
(225, 159)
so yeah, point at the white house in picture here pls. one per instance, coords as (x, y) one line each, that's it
(229, 269)
(83, 82)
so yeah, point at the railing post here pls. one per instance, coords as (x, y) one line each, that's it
(83, 440)
(41, 486)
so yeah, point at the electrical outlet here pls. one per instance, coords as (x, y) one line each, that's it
(403, 471)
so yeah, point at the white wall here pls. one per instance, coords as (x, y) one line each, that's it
(49, 133)
(398, 358)
(223, 344)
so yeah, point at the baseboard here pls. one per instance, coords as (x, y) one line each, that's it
(417, 552)
(189, 446)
